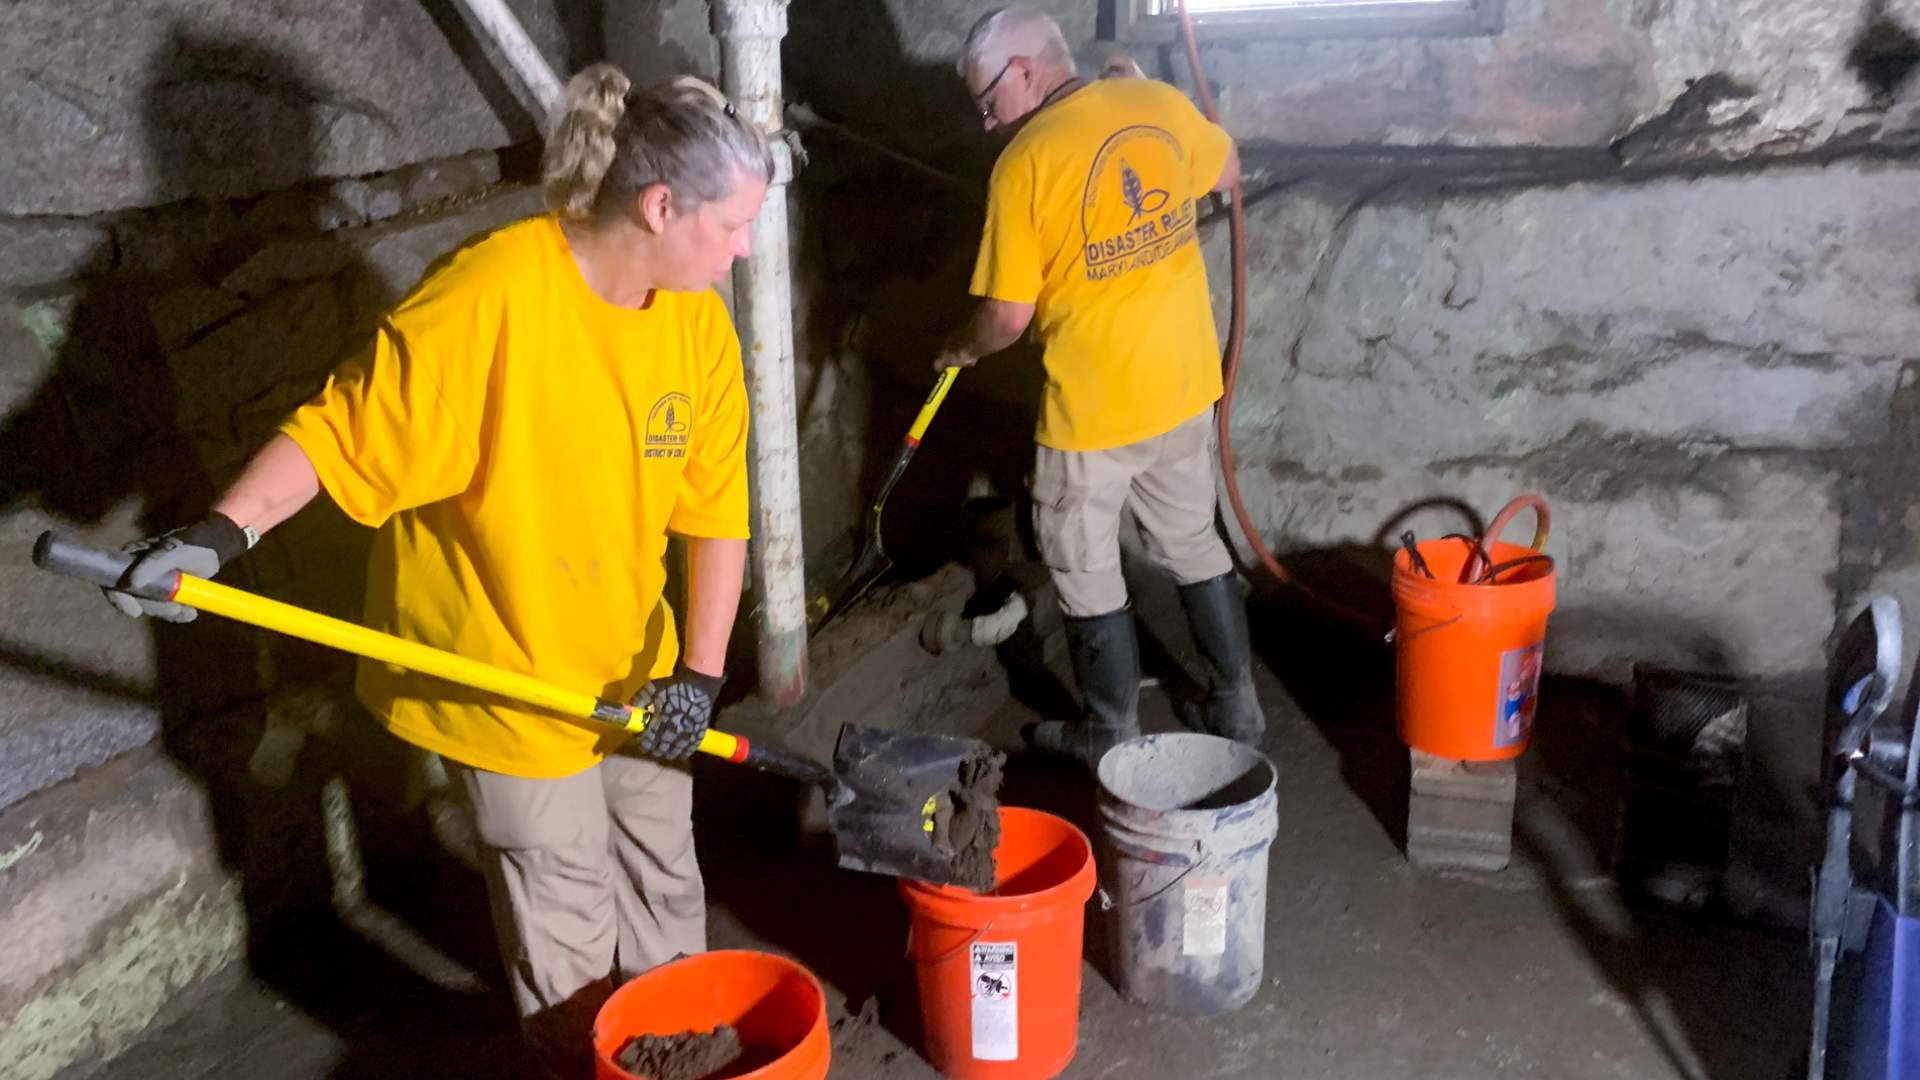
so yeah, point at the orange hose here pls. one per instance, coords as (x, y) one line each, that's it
(1478, 561)
(1236, 336)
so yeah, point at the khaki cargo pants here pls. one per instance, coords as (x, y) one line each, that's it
(592, 880)
(1167, 481)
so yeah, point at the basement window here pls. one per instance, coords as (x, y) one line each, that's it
(1158, 20)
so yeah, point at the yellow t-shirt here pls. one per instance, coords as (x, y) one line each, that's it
(524, 448)
(1090, 217)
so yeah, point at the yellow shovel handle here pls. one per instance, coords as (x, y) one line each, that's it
(425, 659)
(932, 406)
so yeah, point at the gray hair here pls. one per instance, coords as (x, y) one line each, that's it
(1001, 35)
(611, 142)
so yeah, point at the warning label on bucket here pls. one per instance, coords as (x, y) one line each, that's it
(1519, 694)
(1206, 923)
(996, 1001)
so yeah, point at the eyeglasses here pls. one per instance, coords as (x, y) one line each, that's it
(983, 100)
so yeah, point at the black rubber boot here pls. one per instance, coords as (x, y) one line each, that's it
(1106, 664)
(1217, 612)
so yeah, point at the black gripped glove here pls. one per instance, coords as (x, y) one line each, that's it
(200, 550)
(679, 708)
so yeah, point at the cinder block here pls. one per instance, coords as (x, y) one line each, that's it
(1460, 813)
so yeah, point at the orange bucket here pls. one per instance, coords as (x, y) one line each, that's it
(775, 1004)
(1467, 657)
(999, 973)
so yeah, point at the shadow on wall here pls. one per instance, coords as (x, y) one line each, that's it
(1884, 55)
(570, 33)
(164, 386)
(882, 267)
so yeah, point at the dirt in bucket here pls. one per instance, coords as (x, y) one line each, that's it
(689, 1055)
(967, 821)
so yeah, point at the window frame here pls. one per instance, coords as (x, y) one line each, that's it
(1139, 23)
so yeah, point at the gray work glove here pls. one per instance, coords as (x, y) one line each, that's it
(679, 708)
(200, 550)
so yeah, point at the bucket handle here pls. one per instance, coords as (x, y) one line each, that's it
(951, 953)
(1199, 858)
(1480, 560)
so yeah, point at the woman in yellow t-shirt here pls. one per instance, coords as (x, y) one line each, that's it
(525, 430)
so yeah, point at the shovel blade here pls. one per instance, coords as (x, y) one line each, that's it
(869, 564)
(915, 805)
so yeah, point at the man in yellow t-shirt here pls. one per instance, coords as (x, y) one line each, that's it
(525, 430)
(1090, 240)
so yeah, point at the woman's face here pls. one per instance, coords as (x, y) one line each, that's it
(697, 249)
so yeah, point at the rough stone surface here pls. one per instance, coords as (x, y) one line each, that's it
(170, 242)
(433, 182)
(137, 104)
(40, 252)
(1794, 57)
(1559, 74)
(181, 314)
(397, 254)
(294, 333)
(656, 41)
(76, 678)
(279, 263)
(1556, 74)
(1764, 312)
(112, 900)
(376, 199)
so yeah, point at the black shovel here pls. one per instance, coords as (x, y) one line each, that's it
(900, 803)
(871, 560)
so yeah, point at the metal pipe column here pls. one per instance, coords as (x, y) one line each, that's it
(750, 32)
(538, 88)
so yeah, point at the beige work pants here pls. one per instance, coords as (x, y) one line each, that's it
(1167, 481)
(592, 881)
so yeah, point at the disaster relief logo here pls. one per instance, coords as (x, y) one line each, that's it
(1128, 219)
(667, 427)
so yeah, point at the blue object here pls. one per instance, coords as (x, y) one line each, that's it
(1886, 1016)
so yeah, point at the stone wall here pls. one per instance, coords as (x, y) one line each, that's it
(1727, 77)
(203, 207)
(138, 388)
(1703, 374)
(114, 104)
(138, 377)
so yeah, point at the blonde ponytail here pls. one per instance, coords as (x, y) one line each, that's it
(582, 146)
(611, 142)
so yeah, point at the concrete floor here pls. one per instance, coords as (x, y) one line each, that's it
(1373, 969)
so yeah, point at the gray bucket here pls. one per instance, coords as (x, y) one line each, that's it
(1186, 820)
